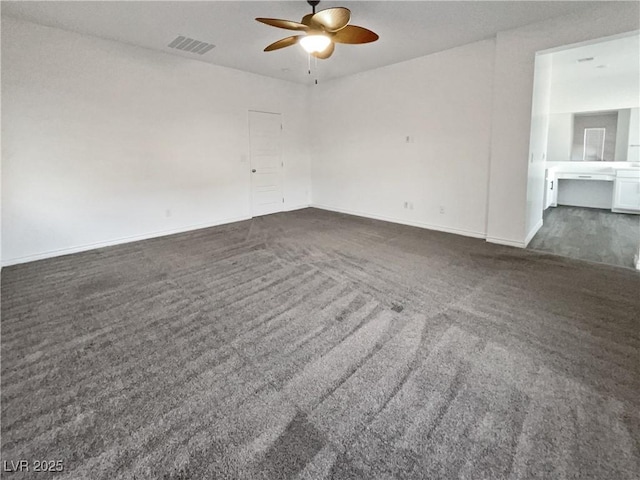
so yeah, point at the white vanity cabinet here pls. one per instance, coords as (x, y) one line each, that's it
(614, 187)
(551, 190)
(626, 191)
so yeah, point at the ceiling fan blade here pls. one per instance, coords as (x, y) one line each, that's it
(284, 42)
(287, 24)
(306, 20)
(326, 53)
(353, 34)
(331, 19)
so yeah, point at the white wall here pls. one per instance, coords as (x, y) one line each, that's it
(560, 137)
(509, 212)
(595, 93)
(538, 142)
(1, 262)
(633, 152)
(362, 163)
(622, 134)
(104, 142)
(583, 87)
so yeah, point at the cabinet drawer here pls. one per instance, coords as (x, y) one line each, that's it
(628, 173)
(586, 176)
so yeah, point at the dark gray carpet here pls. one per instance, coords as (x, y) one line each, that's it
(314, 345)
(590, 234)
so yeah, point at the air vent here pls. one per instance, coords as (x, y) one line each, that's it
(585, 59)
(187, 44)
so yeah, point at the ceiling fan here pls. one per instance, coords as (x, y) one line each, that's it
(322, 30)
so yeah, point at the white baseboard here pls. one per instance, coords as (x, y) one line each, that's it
(517, 243)
(118, 241)
(411, 223)
(533, 232)
(296, 207)
(622, 210)
(504, 241)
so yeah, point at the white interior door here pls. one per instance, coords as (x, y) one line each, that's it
(266, 163)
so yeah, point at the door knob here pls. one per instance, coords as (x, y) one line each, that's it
(253, 170)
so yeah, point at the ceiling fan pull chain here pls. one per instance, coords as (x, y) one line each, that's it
(315, 61)
(309, 63)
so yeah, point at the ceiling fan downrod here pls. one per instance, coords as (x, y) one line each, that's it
(313, 4)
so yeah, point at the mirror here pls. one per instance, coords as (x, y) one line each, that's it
(595, 136)
(600, 136)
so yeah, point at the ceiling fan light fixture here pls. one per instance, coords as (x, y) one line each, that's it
(315, 43)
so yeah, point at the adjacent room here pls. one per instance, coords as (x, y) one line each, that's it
(288, 240)
(591, 128)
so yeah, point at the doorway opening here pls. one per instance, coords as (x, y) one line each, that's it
(584, 169)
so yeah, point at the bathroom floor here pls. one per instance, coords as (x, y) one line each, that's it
(589, 234)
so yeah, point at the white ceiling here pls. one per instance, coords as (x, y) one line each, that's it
(611, 58)
(407, 29)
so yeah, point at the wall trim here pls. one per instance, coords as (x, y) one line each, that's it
(504, 241)
(411, 223)
(119, 241)
(533, 232)
(296, 207)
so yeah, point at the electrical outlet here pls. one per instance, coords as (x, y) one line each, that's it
(167, 212)
(410, 205)
(406, 204)
(442, 209)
